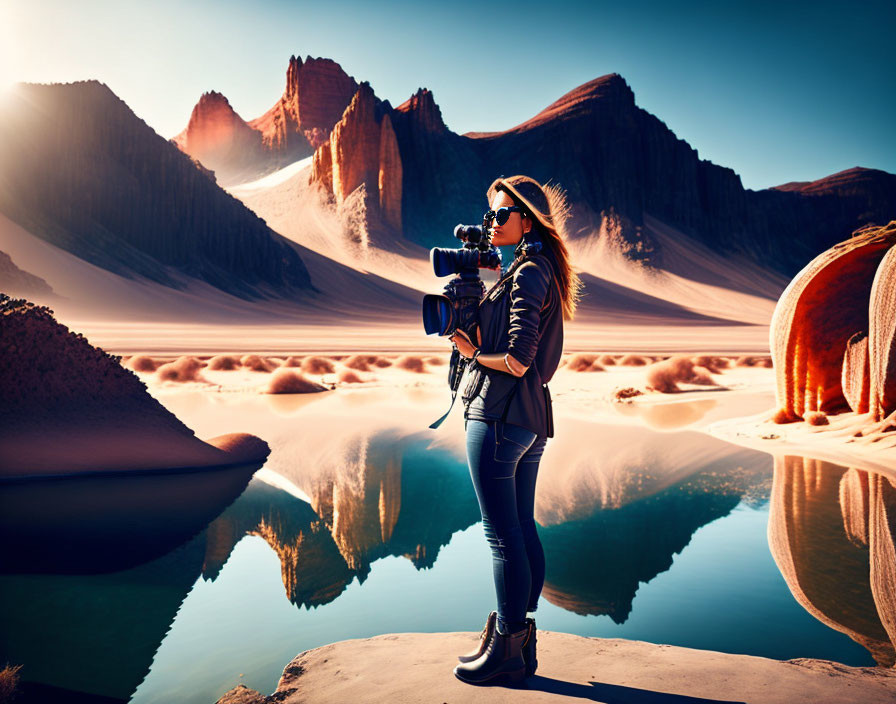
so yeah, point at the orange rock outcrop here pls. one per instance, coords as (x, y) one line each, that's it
(363, 151)
(317, 91)
(817, 325)
(316, 94)
(216, 134)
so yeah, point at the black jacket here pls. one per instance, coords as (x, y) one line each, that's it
(521, 314)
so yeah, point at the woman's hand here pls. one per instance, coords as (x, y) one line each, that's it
(463, 343)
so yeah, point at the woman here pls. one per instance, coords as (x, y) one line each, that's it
(508, 412)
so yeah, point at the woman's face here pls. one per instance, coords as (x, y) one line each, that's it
(511, 231)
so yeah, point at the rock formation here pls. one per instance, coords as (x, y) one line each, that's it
(218, 138)
(70, 408)
(316, 94)
(855, 377)
(362, 151)
(84, 173)
(818, 324)
(882, 337)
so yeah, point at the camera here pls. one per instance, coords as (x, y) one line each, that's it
(456, 308)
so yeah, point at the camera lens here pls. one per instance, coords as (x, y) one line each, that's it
(469, 233)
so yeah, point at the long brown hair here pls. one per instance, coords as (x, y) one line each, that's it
(549, 210)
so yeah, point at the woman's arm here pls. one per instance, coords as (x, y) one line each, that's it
(506, 363)
(527, 297)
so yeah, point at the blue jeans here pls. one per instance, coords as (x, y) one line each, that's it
(504, 477)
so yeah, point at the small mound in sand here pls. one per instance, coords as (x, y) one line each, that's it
(361, 362)
(607, 360)
(713, 364)
(436, 361)
(223, 363)
(347, 376)
(142, 363)
(181, 369)
(581, 362)
(256, 363)
(382, 362)
(817, 418)
(633, 360)
(621, 394)
(782, 415)
(752, 361)
(666, 375)
(317, 365)
(292, 362)
(411, 363)
(288, 381)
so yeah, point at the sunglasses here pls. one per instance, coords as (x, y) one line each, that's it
(501, 215)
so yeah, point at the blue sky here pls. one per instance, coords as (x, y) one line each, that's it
(776, 91)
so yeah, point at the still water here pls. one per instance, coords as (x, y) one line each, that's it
(179, 587)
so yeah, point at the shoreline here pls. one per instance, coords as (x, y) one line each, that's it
(417, 667)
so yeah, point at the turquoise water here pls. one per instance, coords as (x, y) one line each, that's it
(177, 588)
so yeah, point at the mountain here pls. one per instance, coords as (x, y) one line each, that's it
(217, 136)
(317, 93)
(619, 165)
(83, 173)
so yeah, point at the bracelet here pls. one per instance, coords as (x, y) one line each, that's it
(475, 354)
(507, 364)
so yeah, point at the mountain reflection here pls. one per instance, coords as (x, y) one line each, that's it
(99, 569)
(831, 532)
(356, 515)
(596, 563)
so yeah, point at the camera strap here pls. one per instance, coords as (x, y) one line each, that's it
(455, 372)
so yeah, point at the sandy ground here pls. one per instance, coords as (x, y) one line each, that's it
(417, 667)
(845, 440)
(733, 407)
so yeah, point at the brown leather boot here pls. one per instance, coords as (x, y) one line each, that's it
(502, 661)
(484, 639)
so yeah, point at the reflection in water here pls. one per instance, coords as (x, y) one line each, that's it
(82, 525)
(621, 465)
(356, 515)
(108, 524)
(594, 565)
(609, 521)
(98, 633)
(831, 531)
(668, 416)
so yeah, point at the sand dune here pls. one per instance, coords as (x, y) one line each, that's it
(692, 276)
(695, 284)
(369, 293)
